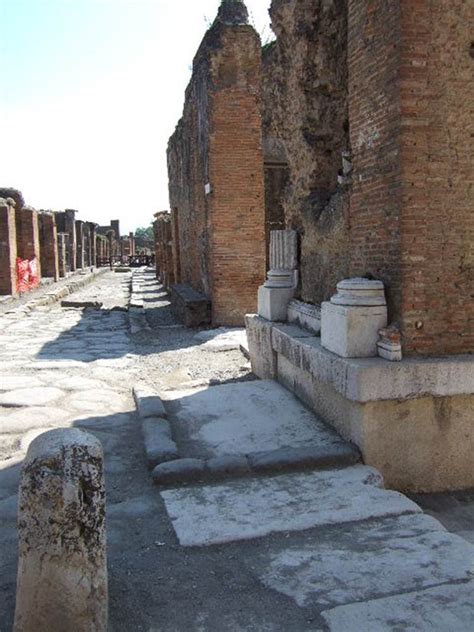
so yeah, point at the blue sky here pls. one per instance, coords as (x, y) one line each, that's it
(91, 91)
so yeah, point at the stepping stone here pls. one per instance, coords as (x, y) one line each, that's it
(148, 403)
(245, 509)
(36, 396)
(445, 608)
(367, 560)
(260, 420)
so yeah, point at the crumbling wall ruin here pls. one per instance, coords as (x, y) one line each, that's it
(215, 165)
(305, 121)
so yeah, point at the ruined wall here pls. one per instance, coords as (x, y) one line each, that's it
(411, 101)
(27, 235)
(48, 245)
(305, 113)
(8, 250)
(215, 165)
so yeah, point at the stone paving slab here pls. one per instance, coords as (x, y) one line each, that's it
(368, 561)
(35, 396)
(246, 418)
(445, 608)
(252, 508)
(25, 419)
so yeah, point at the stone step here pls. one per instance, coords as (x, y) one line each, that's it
(251, 508)
(258, 423)
(445, 608)
(364, 561)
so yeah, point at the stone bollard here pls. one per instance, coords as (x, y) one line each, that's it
(62, 566)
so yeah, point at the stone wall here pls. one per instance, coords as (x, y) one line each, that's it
(215, 164)
(305, 126)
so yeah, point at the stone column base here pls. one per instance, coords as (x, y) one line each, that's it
(273, 302)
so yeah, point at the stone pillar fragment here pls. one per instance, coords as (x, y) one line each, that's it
(62, 571)
(279, 288)
(8, 250)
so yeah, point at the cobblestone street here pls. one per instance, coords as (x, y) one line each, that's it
(289, 552)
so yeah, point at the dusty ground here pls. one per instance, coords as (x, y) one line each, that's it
(72, 367)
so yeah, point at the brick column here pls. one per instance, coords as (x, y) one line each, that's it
(27, 235)
(62, 254)
(49, 245)
(8, 250)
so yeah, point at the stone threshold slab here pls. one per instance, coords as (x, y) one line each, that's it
(252, 508)
(366, 560)
(256, 419)
(445, 608)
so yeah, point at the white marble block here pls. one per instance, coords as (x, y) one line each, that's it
(351, 321)
(273, 302)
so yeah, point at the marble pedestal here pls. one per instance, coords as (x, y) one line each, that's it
(351, 321)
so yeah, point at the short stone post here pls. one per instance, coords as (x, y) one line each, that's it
(62, 570)
(279, 288)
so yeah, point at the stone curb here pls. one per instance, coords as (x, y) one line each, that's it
(185, 470)
(159, 445)
(148, 403)
(56, 294)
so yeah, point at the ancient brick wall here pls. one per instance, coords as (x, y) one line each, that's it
(215, 164)
(305, 116)
(236, 175)
(411, 101)
(49, 245)
(27, 236)
(8, 250)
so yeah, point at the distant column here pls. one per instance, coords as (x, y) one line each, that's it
(79, 244)
(8, 250)
(62, 254)
(93, 244)
(70, 229)
(49, 246)
(27, 235)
